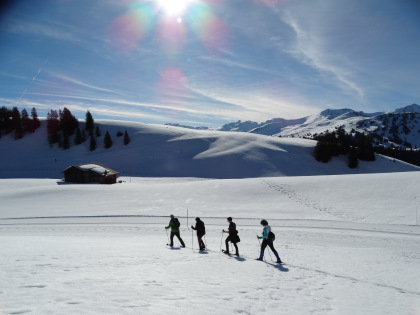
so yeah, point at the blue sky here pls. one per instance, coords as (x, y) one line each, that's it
(209, 62)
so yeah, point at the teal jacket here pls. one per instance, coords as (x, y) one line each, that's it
(266, 230)
(172, 227)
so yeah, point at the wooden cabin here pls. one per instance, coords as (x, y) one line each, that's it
(90, 173)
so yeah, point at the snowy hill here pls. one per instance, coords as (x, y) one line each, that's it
(400, 127)
(166, 151)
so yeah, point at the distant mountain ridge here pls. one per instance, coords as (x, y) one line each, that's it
(399, 128)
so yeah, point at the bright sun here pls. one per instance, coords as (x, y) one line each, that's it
(173, 7)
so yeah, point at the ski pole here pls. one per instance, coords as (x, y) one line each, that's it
(192, 239)
(167, 236)
(259, 242)
(205, 241)
(221, 239)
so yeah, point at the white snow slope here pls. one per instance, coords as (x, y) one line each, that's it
(350, 243)
(166, 151)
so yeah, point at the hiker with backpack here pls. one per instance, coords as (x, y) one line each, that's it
(201, 231)
(233, 237)
(174, 226)
(268, 238)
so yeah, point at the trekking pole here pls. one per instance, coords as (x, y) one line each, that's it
(205, 241)
(221, 239)
(167, 236)
(259, 242)
(187, 221)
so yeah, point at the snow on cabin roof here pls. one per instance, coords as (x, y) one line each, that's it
(96, 168)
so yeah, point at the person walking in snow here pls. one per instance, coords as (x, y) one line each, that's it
(233, 236)
(174, 226)
(201, 231)
(268, 239)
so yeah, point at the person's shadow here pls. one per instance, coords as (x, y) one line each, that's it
(281, 267)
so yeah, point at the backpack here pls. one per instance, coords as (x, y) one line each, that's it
(176, 223)
(271, 236)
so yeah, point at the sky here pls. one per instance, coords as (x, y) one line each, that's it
(209, 62)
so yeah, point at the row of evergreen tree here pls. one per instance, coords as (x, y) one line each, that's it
(357, 146)
(20, 123)
(62, 126)
(410, 156)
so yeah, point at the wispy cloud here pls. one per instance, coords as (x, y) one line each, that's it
(42, 28)
(83, 84)
(310, 49)
(238, 64)
(256, 105)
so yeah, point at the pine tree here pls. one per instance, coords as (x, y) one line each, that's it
(107, 140)
(5, 120)
(25, 121)
(78, 137)
(89, 123)
(92, 145)
(126, 138)
(35, 120)
(353, 162)
(66, 142)
(97, 131)
(53, 126)
(17, 123)
(68, 123)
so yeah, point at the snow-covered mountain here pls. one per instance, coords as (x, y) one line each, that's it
(400, 127)
(413, 108)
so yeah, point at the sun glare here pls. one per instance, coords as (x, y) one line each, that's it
(173, 7)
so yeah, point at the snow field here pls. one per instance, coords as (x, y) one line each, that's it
(350, 244)
(97, 268)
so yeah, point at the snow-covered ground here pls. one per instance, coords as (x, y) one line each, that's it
(350, 244)
(349, 238)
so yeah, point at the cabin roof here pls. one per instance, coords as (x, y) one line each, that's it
(94, 167)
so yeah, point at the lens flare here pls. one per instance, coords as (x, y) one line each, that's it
(173, 7)
(126, 31)
(214, 33)
(171, 34)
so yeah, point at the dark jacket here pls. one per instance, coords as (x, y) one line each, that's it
(233, 233)
(200, 228)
